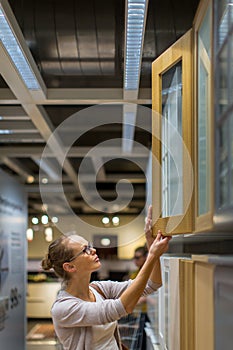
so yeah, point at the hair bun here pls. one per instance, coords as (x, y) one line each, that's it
(46, 263)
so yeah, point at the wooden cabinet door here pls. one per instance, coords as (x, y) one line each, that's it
(172, 128)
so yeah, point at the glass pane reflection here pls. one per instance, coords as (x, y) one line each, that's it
(204, 88)
(231, 160)
(223, 169)
(172, 164)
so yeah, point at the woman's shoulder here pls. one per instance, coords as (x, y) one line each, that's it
(108, 283)
(64, 303)
(111, 289)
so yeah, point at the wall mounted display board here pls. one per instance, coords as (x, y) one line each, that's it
(186, 287)
(13, 253)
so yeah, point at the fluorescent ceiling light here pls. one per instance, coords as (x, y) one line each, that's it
(136, 15)
(5, 132)
(16, 54)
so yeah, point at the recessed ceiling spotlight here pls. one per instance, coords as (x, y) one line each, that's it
(105, 220)
(54, 219)
(105, 242)
(48, 234)
(44, 219)
(44, 180)
(30, 179)
(29, 234)
(35, 220)
(115, 220)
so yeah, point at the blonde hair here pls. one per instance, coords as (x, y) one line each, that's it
(58, 253)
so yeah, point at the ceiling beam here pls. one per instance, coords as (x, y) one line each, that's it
(85, 96)
(68, 188)
(18, 126)
(23, 151)
(21, 137)
(12, 112)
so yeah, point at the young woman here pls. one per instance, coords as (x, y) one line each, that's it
(85, 315)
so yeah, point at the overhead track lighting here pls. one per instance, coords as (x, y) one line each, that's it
(12, 46)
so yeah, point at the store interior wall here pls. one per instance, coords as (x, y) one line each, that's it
(130, 234)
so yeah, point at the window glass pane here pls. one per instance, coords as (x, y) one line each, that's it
(172, 164)
(223, 78)
(204, 71)
(231, 155)
(224, 101)
(230, 71)
(225, 13)
(221, 7)
(203, 166)
(223, 165)
(204, 32)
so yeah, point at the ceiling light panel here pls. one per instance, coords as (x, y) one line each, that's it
(13, 48)
(135, 26)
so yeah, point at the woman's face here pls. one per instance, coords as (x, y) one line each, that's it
(84, 255)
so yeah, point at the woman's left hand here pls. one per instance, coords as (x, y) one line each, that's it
(148, 228)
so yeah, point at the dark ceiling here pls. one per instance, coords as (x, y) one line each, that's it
(78, 48)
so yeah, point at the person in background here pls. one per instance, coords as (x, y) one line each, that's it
(140, 255)
(85, 314)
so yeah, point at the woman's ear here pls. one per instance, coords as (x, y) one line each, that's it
(68, 267)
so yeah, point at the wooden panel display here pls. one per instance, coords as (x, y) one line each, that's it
(204, 306)
(171, 302)
(187, 305)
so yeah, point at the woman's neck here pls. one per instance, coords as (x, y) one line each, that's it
(79, 288)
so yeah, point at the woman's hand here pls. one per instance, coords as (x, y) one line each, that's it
(148, 228)
(149, 234)
(159, 245)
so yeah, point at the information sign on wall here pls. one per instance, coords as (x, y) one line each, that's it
(13, 253)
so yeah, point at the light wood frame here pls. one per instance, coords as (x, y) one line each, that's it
(179, 51)
(204, 222)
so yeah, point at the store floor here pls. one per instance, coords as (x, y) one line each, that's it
(51, 343)
(39, 335)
